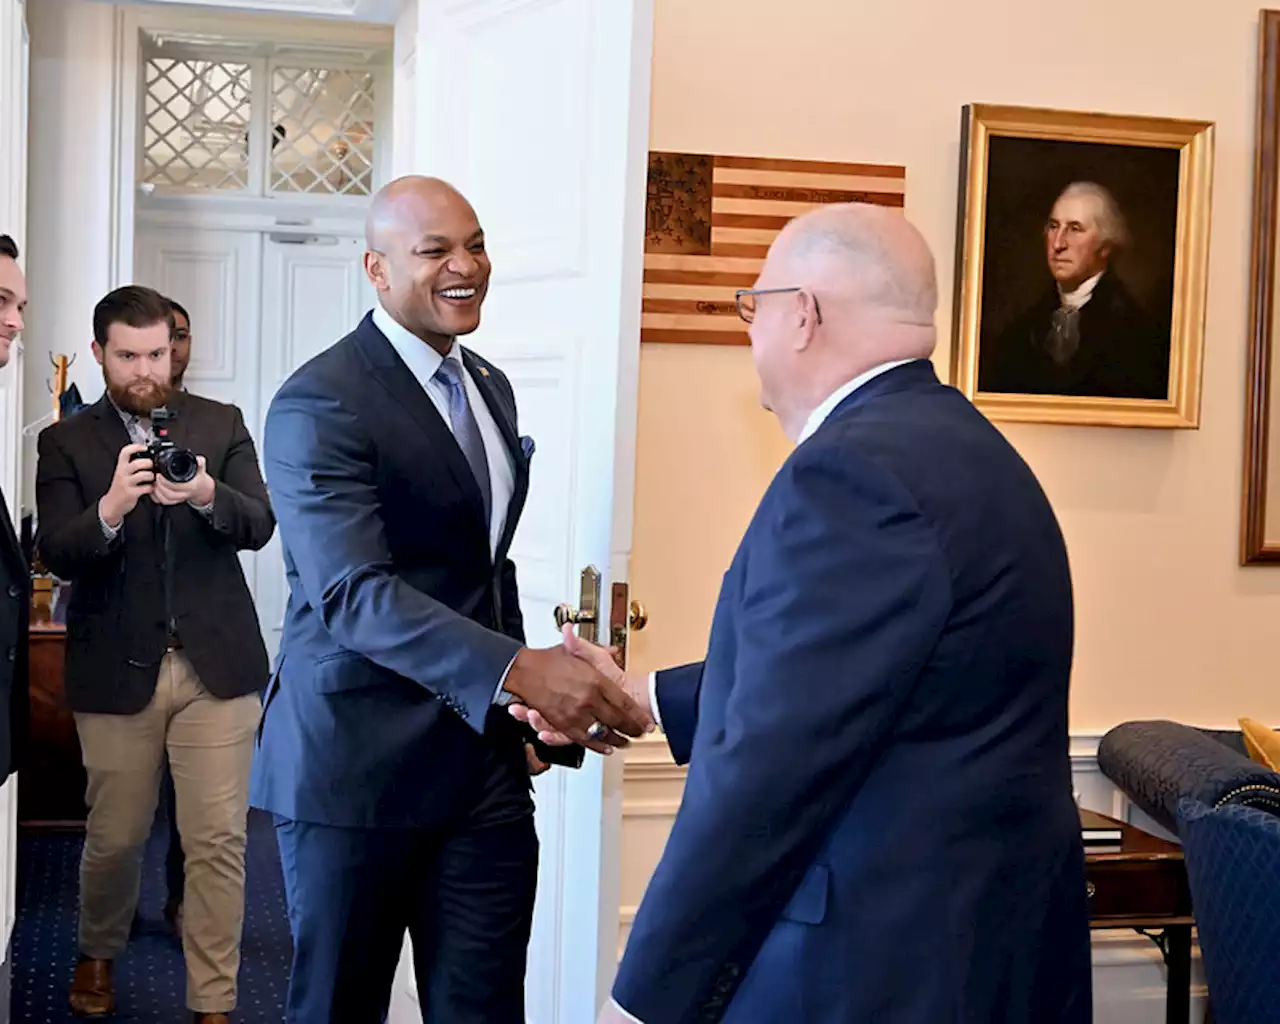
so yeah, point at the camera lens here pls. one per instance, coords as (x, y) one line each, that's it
(179, 465)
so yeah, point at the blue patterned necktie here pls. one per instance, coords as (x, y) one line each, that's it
(465, 429)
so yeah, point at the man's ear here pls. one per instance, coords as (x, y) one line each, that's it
(806, 313)
(375, 267)
(97, 351)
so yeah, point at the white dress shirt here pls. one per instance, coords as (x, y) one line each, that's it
(423, 362)
(815, 420)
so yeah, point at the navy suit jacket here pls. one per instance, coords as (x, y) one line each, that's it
(878, 822)
(400, 621)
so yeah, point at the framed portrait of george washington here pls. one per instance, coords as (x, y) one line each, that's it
(1260, 511)
(1082, 265)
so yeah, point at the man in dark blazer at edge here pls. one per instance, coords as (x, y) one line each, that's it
(15, 575)
(399, 784)
(878, 822)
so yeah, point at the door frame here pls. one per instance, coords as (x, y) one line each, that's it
(129, 23)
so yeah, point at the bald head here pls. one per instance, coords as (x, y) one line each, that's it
(869, 263)
(427, 259)
(855, 288)
(404, 205)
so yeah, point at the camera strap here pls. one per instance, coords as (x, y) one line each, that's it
(166, 533)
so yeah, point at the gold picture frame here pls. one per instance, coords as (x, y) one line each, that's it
(1016, 164)
(1260, 505)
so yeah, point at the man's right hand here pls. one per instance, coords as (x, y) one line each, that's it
(133, 478)
(572, 695)
(636, 686)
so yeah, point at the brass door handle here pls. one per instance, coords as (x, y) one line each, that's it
(567, 613)
(587, 615)
(637, 616)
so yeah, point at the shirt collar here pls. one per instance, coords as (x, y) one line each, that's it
(820, 414)
(127, 417)
(1081, 295)
(421, 358)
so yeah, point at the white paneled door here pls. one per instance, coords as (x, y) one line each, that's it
(216, 276)
(261, 304)
(314, 292)
(538, 110)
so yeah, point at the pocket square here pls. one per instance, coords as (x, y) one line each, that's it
(528, 447)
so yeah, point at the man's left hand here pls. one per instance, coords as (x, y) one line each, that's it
(198, 490)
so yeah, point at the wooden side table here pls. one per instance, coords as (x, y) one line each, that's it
(1142, 884)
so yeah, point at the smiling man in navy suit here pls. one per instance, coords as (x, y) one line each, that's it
(399, 784)
(878, 822)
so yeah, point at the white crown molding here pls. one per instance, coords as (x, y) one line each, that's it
(381, 12)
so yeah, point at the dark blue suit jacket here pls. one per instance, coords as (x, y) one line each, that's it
(399, 623)
(878, 822)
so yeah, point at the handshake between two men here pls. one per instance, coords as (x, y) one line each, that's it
(576, 693)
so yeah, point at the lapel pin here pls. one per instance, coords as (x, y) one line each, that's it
(483, 372)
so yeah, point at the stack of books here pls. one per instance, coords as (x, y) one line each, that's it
(1099, 834)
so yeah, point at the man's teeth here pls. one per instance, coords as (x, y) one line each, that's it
(458, 293)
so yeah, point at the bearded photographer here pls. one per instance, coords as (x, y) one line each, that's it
(143, 501)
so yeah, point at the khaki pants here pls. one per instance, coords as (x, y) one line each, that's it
(210, 747)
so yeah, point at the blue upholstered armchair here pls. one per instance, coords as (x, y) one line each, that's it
(1233, 865)
(1158, 763)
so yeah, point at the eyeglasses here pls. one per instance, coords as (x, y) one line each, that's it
(746, 300)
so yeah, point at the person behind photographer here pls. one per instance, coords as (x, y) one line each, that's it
(164, 651)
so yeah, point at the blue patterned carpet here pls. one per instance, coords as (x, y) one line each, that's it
(150, 978)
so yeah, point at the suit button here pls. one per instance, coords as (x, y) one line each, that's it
(15, 591)
(13, 654)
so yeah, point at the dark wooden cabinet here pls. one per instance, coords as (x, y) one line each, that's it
(52, 784)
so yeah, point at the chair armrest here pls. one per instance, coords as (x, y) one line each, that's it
(1158, 763)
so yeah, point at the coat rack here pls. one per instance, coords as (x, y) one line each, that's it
(57, 387)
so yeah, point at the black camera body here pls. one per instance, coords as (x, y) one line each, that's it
(170, 461)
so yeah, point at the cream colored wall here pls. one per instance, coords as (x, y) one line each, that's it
(1168, 625)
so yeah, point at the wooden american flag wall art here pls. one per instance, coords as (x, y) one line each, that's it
(708, 224)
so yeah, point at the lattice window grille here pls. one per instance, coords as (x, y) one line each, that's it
(196, 122)
(323, 131)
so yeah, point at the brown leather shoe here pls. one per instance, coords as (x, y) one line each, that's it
(92, 994)
(212, 1018)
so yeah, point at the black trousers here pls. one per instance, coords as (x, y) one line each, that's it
(464, 893)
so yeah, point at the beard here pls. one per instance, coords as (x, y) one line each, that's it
(139, 398)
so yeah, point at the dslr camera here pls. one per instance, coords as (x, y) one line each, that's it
(173, 463)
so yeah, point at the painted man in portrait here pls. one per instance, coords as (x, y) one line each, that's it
(1086, 336)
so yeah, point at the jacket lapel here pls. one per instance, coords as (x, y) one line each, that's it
(398, 380)
(504, 416)
(113, 435)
